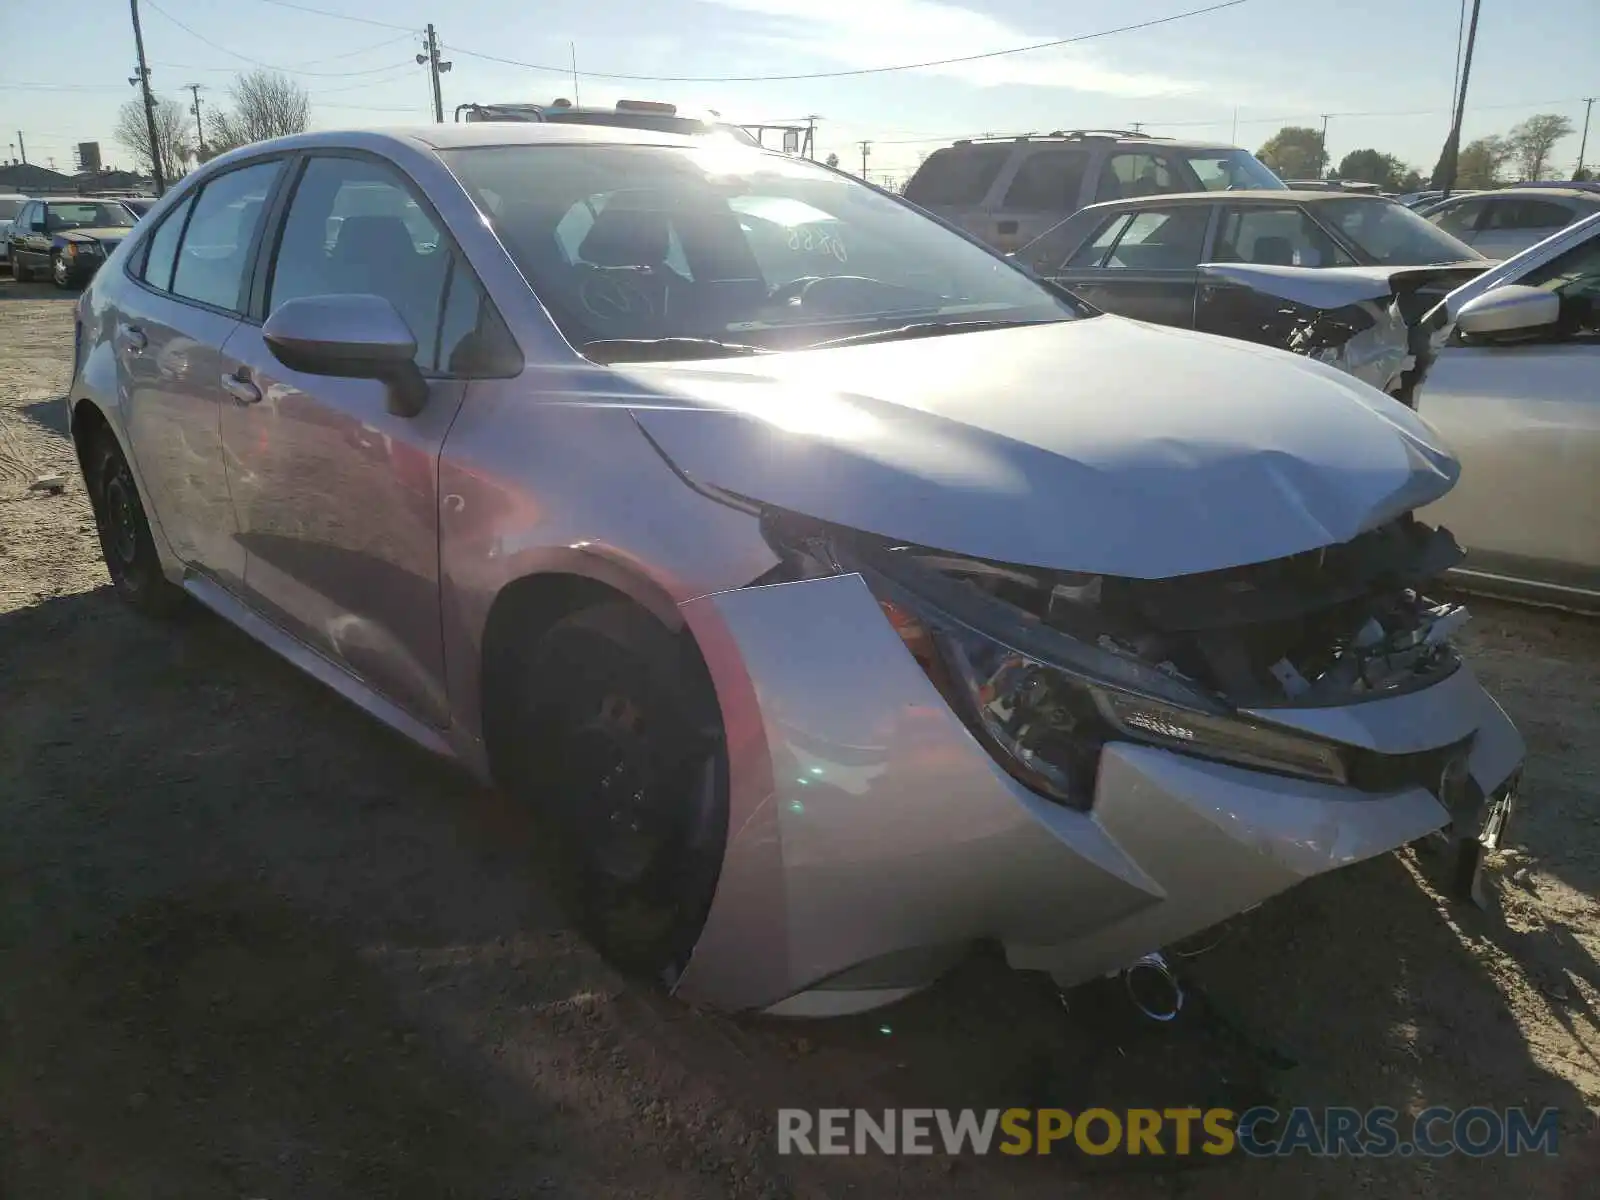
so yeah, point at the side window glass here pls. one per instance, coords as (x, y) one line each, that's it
(1459, 220)
(162, 255)
(354, 228)
(958, 175)
(473, 340)
(1283, 237)
(1094, 250)
(1157, 240)
(1127, 175)
(1575, 277)
(215, 254)
(1526, 214)
(1048, 181)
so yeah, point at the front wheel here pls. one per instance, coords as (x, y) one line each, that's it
(620, 750)
(125, 538)
(19, 272)
(60, 271)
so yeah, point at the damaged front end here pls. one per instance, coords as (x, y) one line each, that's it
(1047, 667)
(1365, 321)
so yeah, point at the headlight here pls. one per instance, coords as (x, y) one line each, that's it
(1043, 701)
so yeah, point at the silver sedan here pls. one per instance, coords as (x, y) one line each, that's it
(838, 597)
(1514, 390)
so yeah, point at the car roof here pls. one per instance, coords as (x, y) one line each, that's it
(1073, 137)
(1542, 190)
(1262, 196)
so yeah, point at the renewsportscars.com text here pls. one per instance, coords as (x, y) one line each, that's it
(1257, 1132)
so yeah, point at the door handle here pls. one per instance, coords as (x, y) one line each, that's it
(133, 338)
(241, 389)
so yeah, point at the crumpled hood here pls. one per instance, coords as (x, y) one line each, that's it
(110, 235)
(1334, 287)
(1100, 445)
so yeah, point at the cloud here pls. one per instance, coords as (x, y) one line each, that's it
(870, 33)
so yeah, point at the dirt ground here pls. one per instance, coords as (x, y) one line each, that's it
(253, 945)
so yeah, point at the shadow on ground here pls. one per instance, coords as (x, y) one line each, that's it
(252, 943)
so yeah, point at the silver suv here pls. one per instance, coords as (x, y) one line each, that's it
(1007, 191)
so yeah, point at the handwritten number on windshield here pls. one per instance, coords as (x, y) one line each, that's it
(809, 241)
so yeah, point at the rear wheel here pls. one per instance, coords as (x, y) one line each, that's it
(618, 745)
(125, 538)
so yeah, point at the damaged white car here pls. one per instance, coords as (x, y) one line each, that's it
(831, 618)
(1342, 278)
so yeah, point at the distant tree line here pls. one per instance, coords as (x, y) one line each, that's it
(265, 104)
(1525, 152)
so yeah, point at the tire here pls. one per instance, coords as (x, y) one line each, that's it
(125, 539)
(60, 273)
(618, 747)
(19, 272)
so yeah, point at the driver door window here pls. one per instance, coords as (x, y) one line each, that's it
(1460, 220)
(354, 227)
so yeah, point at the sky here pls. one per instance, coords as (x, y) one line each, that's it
(1381, 69)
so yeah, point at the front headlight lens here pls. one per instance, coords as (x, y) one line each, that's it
(1043, 702)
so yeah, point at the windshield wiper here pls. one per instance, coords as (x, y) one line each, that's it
(665, 349)
(921, 329)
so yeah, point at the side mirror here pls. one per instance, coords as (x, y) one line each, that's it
(356, 337)
(1509, 308)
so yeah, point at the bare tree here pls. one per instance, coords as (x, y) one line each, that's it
(266, 104)
(172, 136)
(1532, 141)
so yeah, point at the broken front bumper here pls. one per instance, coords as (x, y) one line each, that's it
(872, 838)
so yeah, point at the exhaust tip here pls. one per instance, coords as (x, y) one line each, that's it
(1153, 988)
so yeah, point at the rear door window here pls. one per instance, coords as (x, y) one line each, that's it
(215, 255)
(163, 253)
(1162, 240)
(1048, 181)
(958, 176)
(1093, 252)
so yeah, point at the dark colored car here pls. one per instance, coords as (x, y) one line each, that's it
(1339, 276)
(68, 238)
(139, 205)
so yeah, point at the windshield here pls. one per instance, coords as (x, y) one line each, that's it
(1238, 170)
(86, 215)
(657, 122)
(733, 245)
(1392, 234)
(10, 206)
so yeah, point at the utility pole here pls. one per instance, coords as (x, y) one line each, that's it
(430, 56)
(1583, 142)
(143, 80)
(1326, 160)
(865, 147)
(23, 146)
(811, 137)
(1138, 126)
(573, 47)
(1452, 146)
(199, 129)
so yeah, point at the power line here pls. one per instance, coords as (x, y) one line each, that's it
(255, 62)
(284, 70)
(337, 16)
(936, 62)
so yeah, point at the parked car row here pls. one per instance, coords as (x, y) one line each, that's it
(837, 592)
(66, 238)
(1507, 221)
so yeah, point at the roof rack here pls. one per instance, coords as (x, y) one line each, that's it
(1069, 135)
